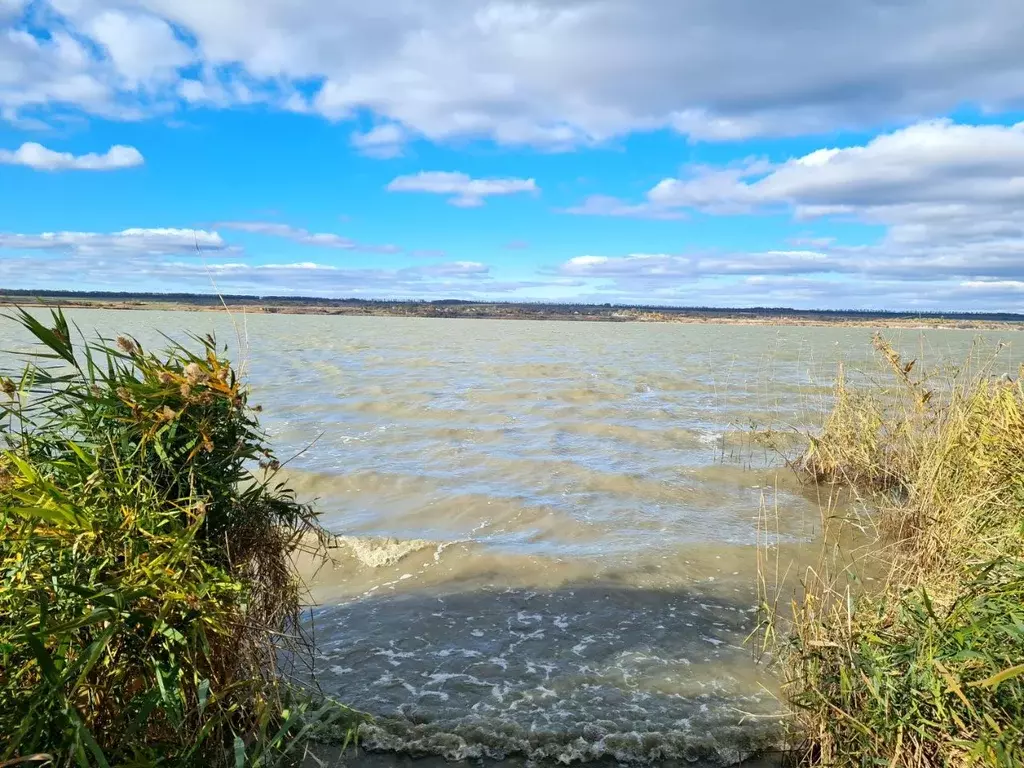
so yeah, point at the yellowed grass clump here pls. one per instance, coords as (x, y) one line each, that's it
(926, 666)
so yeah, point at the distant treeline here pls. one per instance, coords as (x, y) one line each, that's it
(204, 299)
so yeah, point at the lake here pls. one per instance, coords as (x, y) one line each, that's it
(550, 529)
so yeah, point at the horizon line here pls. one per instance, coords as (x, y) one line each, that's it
(667, 308)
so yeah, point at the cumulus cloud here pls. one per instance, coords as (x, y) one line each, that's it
(150, 259)
(812, 292)
(315, 276)
(863, 277)
(710, 189)
(538, 73)
(226, 89)
(45, 74)
(946, 196)
(142, 48)
(127, 242)
(541, 73)
(911, 179)
(605, 205)
(40, 158)
(301, 278)
(652, 268)
(869, 262)
(465, 192)
(305, 237)
(11, 9)
(457, 269)
(994, 286)
(383, 141)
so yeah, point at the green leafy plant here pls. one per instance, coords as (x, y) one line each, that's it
(147, 585)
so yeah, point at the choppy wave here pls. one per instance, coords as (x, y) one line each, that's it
(570, 673)
(709, 743)
(377, 552)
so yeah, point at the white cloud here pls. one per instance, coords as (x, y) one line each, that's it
(229, 87)
(713, 190)
(305, 237)
(928, 172)
(605, 205)
(948, 198)
(813, 292)
(135, 242)
(457, 269)
(304, 278)
(148, 260)
(40, 158)
(994, 286)
(547, 73)
(709, 189)
(863, 262)
(383, 141)
(141, 47)
(830, 276)
(662, 267)
(317, 277)
(465, 192)
(198, 92)
(699, 125)
(47, 73)
(11, 9)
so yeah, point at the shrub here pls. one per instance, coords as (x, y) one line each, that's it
(146, 579)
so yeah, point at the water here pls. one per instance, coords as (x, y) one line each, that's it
(550, 528)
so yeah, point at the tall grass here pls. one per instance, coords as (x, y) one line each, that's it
(924, 667)
(147, 587)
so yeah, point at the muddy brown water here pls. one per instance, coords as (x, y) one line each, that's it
(549, 529)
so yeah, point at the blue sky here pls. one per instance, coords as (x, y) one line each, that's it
(856, 154)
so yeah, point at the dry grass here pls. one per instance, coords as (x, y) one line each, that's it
(926, 666)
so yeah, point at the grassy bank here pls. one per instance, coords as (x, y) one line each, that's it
(925, 666)
(147, 586)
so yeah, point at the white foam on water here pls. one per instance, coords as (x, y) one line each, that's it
(710, 437)
(687, 741)
(394, 657)
(466, 653)
(581, 646)
(378, 552)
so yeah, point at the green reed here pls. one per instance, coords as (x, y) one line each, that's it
(147, 585)
(928, 668)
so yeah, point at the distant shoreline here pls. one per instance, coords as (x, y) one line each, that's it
(511, 311)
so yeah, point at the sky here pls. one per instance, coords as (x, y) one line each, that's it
(851, 154)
